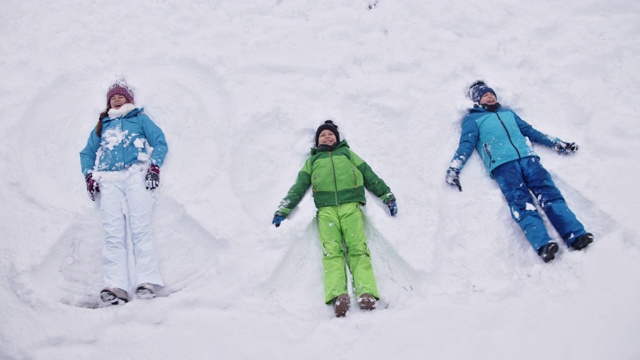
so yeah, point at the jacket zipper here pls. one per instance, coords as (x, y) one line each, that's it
(509, 136)
(486, 149)
(335, 180)
(355, 178)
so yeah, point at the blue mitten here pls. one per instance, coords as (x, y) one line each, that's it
(277, 219)
(393, 207)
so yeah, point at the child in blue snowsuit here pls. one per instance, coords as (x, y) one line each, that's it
(502, 139)
(121, 164)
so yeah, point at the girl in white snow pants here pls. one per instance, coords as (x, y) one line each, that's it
(121, 165)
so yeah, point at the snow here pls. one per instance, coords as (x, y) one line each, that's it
(239, 88)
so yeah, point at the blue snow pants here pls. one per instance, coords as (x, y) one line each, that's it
(518, 179)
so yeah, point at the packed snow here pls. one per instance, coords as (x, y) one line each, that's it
(239, 88)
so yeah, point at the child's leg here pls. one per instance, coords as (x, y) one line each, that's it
(114, 252)
(335, 276)
(358, 254)
(551, 200)
(140, 202)
(510, 179)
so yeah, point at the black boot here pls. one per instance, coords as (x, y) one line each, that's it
(548, 252)
(582, 241)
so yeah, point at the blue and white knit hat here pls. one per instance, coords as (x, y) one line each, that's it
(478, 89)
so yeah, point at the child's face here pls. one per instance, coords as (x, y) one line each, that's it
(327, 137)
(117, 101)
(488, 99)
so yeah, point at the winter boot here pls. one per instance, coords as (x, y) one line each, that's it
(341, 305)
(582, 241)
(548, 252)
(114, 296)
(146, 291)
(367, 302)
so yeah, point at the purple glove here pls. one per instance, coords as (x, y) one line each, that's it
(92, 187)
(152, 179)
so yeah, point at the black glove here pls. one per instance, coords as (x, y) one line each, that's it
(453, 177)
(564, 148)
(152, 179)
(92, 187)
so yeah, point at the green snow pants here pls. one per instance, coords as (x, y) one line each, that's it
(334, 224)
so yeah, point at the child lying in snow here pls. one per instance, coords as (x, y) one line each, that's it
(500, 137)
(338, 177)
(117, 166)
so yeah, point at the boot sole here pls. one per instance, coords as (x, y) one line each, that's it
(145, 294)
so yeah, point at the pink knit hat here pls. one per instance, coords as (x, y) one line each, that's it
(120, 88)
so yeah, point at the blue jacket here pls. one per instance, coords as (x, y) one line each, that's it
(499, 137)
(123, 143)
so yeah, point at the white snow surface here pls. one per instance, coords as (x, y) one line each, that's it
(239, 88)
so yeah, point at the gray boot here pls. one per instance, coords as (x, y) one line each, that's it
(114, 296)
(146, 291)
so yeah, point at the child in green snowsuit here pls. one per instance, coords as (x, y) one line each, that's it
(338, 177)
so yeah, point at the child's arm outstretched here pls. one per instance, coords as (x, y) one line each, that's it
(295, 194)
(561, 147)
(375, 184)
(468, 139)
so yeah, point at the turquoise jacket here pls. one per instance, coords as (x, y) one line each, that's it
(499, 137)
(124, 142)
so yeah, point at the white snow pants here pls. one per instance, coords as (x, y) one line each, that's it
(122, 196)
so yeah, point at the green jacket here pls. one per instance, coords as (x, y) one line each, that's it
(337, 176)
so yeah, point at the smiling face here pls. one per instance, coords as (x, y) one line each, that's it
(117, 101)
(326, 137)
(488, 99)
